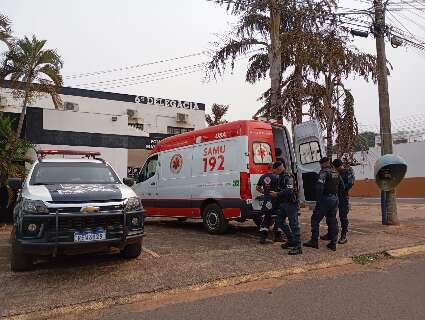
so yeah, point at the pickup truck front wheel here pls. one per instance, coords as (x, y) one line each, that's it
(132, 250)
(20, 262)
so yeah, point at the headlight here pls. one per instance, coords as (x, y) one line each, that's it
(133, 204)
(34, 207)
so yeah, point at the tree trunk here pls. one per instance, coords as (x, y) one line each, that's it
(298, 104)
(275, 55)
(22, 116)
(329, 127)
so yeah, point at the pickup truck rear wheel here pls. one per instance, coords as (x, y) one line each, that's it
(132, 250)
(214, 220)
(19, 261)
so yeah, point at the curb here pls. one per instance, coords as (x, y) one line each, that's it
(215, 284)
(141, 297)
(396, 253)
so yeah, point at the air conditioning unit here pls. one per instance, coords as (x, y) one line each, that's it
(132, 114)
(70, 106)
(182, 117)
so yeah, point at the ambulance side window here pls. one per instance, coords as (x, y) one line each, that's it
(149, 169)
(310, 152)
(262, 153)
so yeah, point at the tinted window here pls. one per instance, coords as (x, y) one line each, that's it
(73, 173)
(262, 153)
(310, 152)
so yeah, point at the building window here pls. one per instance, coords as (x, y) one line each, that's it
(178, 130)
(138, 126)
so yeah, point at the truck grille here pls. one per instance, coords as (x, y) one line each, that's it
(67, 225)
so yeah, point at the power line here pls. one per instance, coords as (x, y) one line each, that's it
(142, 75)
(125, 68)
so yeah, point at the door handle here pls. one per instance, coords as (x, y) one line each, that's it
(153, 183)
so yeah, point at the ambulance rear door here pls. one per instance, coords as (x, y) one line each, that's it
(309, 149)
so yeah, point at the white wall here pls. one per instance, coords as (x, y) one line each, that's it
(413, 153)
(155, 118)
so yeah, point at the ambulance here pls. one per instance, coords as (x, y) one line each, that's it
(211, 173)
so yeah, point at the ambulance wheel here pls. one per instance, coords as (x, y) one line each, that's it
(214, 220)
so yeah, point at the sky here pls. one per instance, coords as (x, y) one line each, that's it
(101, 35)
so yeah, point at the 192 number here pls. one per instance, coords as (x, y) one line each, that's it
(213, 163)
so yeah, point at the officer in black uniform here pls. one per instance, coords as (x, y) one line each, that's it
(288, 200)
(326, 206)
(347, 175)
(267, 183)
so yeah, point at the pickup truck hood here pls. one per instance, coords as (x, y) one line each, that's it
(79, 192)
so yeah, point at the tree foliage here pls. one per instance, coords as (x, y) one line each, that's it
(33, 71)
(5, 31)
(218, 111)
(317, 55)
(364, 140)
(13, 151)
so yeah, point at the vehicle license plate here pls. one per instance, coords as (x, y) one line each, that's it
(89, 236)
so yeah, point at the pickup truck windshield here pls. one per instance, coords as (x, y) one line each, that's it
(72, 173)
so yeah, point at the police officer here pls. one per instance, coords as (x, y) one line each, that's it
(326, 206)
(347, 175)
(288, 200)
(267, 183)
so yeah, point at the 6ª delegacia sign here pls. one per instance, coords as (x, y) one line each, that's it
(170, 103)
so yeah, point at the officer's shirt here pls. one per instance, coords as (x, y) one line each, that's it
(329, 182)
(347, 176)
(269, 182)
(287, 190)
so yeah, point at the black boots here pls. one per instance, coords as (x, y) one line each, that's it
(277, 236)
(331, 246)
(311, 244)
(263, 237)
(343, 239)
(295, 250)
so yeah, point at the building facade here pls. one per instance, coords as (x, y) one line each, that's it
(124, 128)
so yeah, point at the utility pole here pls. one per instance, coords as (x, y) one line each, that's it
(384, 105)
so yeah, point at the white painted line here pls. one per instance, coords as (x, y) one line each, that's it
(152, 253)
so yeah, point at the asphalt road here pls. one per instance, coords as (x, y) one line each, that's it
(394, 290)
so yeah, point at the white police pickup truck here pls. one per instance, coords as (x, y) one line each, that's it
(71, 206)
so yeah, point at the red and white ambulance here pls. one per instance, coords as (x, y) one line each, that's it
(211, 173)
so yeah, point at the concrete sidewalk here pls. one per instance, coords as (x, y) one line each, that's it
(178, 255)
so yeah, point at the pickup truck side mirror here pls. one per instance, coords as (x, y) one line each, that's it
(15, 183)
(128, 181)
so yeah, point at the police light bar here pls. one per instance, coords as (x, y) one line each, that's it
(88, 154)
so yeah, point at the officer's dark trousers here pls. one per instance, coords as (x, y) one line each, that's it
(344, 208)
(290, 211)
(266, 221)
(326, 207)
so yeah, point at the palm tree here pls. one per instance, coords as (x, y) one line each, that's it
(33, 71)
(218, 111)
(5, 30)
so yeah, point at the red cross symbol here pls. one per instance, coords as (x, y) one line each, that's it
(261, 152)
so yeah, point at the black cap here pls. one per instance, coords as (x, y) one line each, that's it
(277, 164)
(337, 163)
(324, 160)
